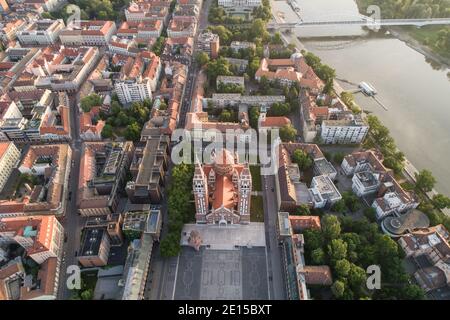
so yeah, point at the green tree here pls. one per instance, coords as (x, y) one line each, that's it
(107, 131)
(425, 180)
(356, 278)
(133, 132)
(351, 201)
(337, 250)
(338, 288)
(217, 67)
(440, 201)
(202, 58)
(342, 268)
(90, 101)
(170, 245)
(302, 159)
(313, 239)
(371, 214)
(87, 294)
(253, 116)
(288, 133)
(279, 109)
(318, 256)
(339, 206)
(331, 227)
(338, 157)
(303, 210)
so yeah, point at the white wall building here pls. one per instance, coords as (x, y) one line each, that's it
(9, 158)
(239, 3)
(324, 192)
(344, 131)
(41, 32)
(133, 90)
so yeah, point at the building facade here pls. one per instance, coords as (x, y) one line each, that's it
(9, 158)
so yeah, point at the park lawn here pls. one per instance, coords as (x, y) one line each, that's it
(428, 36)
(257, 209)
(88, 279)
(256, 178)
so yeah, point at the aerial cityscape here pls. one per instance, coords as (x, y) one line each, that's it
(225, 150)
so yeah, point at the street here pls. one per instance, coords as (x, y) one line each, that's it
(277, 287)
(72, 221)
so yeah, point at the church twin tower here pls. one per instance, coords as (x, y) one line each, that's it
(222, 190)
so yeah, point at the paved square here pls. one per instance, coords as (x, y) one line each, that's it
(222, 274)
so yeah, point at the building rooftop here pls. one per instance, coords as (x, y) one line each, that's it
(92, 240)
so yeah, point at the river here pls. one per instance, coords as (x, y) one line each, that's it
(416, 92)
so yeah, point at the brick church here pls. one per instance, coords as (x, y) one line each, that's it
(222, 190)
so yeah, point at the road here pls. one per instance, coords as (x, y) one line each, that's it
(72, 221)
(161, 280)
(277, 286)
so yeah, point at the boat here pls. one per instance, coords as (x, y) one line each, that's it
(367, 89)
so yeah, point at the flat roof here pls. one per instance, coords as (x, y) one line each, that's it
(91, 242)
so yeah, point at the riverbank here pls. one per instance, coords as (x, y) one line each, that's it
(409, 40)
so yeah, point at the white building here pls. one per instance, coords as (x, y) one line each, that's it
(370, 176)
(344, 131)
(86, 32)
(133, 90)
(9, 158)
(324, 192)
(139, 77)
(393, 200)
(41, 32)
(238, 45)
(239, 81)
(239, 3)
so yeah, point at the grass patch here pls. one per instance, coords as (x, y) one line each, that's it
(256, 178)
(88, 279)
(257, 209)
(428, 35)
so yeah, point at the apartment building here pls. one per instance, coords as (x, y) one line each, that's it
(10, 29)
(147, 11)
(123, 46)
(46, 192)
(88, 32)
(182, 26)
(346, 131)
(210, 43)
(41, 122)
(148, 167)
(9, 158)
(430, 248)
(41, 32)
(290, 71)
(138, 78)
(90, 127)
(41, 236)
(234, 80)
(239, 3)
(142, 30)
(95, 247)
(238, 45)
(102, 175)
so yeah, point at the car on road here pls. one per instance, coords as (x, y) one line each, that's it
(272, 189)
